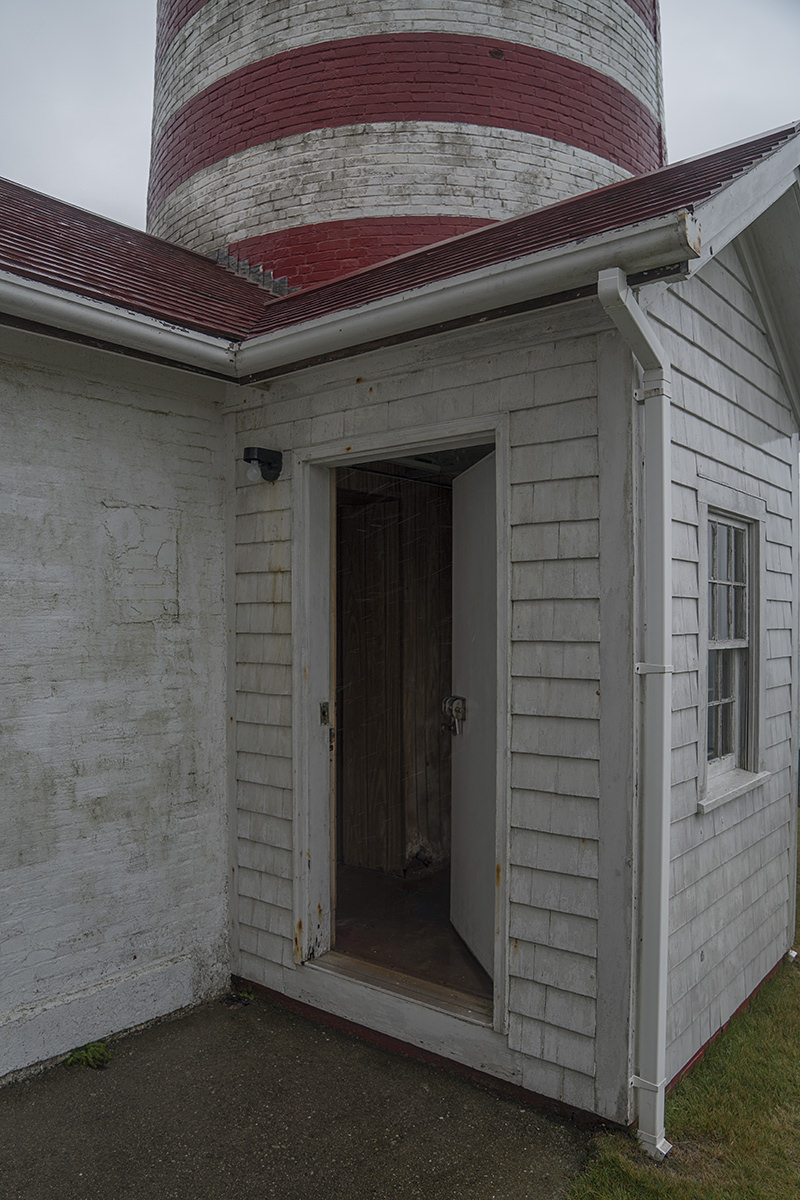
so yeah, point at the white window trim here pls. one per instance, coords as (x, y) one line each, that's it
(716, 784)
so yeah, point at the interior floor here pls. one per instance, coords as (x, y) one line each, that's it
(403, 923)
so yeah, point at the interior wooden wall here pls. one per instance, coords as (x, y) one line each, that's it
(393, 670)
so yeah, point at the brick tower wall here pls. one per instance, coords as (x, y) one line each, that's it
(317, 139)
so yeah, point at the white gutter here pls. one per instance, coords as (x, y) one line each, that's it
(656, 671)
(44, 305)
(649, 246)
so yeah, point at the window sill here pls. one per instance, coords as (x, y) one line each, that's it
(728, 786)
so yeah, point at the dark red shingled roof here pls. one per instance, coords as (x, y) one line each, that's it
(76, 251)
(645, 197)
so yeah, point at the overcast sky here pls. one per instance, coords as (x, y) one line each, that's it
(77, 80)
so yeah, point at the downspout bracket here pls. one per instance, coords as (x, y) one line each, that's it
(646, 1085)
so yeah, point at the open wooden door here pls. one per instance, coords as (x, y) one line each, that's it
(474, 748)
(370, 825)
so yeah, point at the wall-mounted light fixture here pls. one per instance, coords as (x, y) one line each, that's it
(264, 464)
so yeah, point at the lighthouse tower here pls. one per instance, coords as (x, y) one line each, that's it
(317, 138)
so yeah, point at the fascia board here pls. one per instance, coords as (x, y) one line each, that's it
(649, 246)
(769, 256)
(731, 210)
(32, 301)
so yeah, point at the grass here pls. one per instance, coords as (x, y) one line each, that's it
(734, 1122)
(95, 1055)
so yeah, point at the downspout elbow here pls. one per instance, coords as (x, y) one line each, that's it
(618, 301)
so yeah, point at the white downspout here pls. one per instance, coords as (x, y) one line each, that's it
(656, 671)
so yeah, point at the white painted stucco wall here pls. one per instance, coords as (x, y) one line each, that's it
(113, 850)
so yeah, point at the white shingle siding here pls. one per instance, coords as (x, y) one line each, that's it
(572, 538)
(549, 385)
(730, 871)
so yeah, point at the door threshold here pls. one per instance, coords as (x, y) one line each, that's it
(477, 1009)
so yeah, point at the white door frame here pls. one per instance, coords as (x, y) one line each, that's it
(474, 619)
(313, 638)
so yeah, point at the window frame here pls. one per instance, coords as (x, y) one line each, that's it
(734, 709)
(720, 780)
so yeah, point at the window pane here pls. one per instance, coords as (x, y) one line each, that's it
(713, 675)
(712, 610)
(723, 613)
(739, 556)
(721, 675)
(727, 674)
(740, 616)
(722, 552)
(726, 732)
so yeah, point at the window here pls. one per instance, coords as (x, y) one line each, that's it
(729, 637)
(732, 550)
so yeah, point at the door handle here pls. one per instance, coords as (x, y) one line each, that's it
(455, 709)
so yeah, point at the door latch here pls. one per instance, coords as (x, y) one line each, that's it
(455, 710)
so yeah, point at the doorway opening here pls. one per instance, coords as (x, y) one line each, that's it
(415, 784)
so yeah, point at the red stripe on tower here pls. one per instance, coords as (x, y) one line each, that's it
(439, 78)
(309, 254)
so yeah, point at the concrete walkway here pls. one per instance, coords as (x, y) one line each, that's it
(259, 1102)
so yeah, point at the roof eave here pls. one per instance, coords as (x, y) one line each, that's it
(39, 304)
(650, 246)
(659, 244)
(735, 207)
